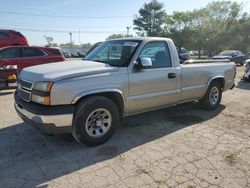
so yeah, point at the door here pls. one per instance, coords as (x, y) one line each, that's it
(154, 87)
(32, 56)
(9, 56)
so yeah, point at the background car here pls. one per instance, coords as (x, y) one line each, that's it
(233, 55)
(66, 54)
(74, 55)
(246, 76)
(80, 54)
(12, 38)
(183, 54)
(25, 56)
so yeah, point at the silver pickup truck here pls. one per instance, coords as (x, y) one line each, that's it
(117, 79)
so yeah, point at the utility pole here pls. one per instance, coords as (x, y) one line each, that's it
(128, 28)
(70, 41)
(79, 36)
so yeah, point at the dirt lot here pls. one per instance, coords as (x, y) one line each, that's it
(177, 147)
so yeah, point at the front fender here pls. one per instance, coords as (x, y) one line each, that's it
(120, 100)
(96, 91)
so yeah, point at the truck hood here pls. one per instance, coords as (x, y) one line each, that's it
(63, 70)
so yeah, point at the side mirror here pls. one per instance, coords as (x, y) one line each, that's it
(143, 63)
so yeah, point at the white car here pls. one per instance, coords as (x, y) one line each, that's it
(246, 75)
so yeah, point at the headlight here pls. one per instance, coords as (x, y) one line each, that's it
(45, 100)
(43, 86)
(41, 92)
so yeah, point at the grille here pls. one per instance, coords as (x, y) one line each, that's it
(25, 95)
(25, 84)
(24, 89)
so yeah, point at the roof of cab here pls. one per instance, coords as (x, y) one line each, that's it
(142, 38)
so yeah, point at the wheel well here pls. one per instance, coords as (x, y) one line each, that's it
(116, 97)
(220, 80)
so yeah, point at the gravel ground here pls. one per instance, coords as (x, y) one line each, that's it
(182, 146)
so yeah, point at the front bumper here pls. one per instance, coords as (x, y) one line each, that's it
(47, 119)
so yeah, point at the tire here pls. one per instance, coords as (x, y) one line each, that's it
(95, 120)
(212, 98)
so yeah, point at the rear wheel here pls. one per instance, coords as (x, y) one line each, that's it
(212, 98)
(95, 120)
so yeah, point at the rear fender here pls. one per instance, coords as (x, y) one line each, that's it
(218, 77)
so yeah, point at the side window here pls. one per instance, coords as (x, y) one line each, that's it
(32, 52)
(3, 35)
(159, 54)
(9, 53)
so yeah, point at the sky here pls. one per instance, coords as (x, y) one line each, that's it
(89, 21)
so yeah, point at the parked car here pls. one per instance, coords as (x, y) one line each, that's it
(80, 54)
(74, 55)
(88, 99)
(246, 75)
(183, 54)
(11, 38)
(66, 54)
(233, 55)
(8, 76)
(25, 56)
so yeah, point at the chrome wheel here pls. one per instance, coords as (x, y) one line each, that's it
(98, 122)
(214, 95)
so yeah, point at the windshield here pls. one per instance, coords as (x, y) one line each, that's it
(227, 53)
(117, 53)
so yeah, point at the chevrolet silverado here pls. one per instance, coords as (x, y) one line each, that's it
(119, 78)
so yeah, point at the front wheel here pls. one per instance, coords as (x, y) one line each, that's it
(95, 120)
(212, 98)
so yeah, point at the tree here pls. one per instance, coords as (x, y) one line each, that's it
(86, 47)
(240, 35)
(219, 18)
(179, 28)
(151, 19)
(114, 36)
(49, 40)
(220, 25)
(208, 28)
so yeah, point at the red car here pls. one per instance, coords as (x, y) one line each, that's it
(25, 56)
(12, 38)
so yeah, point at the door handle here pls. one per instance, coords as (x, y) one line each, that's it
(171, 75)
